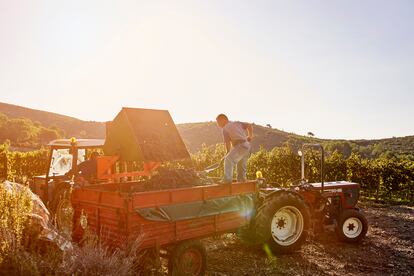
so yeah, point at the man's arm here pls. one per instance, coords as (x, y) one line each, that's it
(227, 141)
(249, 129)
(228, 146)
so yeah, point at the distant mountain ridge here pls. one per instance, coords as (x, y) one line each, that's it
(197, 134)
(71, 126)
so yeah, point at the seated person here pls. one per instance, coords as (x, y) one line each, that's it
(87, 169)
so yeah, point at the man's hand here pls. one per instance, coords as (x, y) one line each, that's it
(249, 139)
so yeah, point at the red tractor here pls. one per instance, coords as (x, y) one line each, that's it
(284, 216)
(55, 186)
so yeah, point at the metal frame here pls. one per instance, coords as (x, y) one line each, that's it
(72, 147)
(302, 155)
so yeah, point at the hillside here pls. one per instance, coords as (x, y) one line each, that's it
(23, 134)
(397, 145)
(197, 134)
(71, 126)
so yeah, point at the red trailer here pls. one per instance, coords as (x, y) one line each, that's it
(162, 219)
(123, 217)
(170, 220)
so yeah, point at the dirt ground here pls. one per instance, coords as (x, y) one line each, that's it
(388, 249)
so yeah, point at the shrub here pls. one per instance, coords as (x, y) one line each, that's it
(386, 179)
(95, 258)
(15, 208)
(22, 166)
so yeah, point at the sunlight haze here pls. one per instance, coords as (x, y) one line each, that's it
(340, 69)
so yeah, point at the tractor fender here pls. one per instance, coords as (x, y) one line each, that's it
(280, 191)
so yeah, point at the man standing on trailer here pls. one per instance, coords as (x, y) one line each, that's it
(237, 137)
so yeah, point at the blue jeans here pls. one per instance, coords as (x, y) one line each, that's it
(237, 156)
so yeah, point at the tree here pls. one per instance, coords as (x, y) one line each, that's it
(310, 134)
(18, 130)
(208, 156)
(335, 167)
(362, 171)
(24, 132)
(46, 135)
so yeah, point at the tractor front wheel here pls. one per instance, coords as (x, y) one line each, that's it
(188, 258)
(282, 222)
(352, 226)
(61, 208)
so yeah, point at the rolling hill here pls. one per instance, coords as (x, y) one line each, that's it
(71, 126)
(197, 134)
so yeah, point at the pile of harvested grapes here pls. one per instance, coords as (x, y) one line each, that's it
(171, 178)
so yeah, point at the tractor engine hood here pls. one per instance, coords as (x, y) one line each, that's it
(144, 135)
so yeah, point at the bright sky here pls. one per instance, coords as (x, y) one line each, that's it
(340, 69)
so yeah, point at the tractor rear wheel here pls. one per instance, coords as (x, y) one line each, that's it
(352, 226)
(188, 258)
(282, 222)
(247, 235)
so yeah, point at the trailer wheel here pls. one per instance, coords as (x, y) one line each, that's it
(282, 222)
(147, 262)
(61, 208)
(188, 258)
(352, 226)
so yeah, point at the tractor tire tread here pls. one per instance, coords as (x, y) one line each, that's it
(62, 189)
(266, 213)
(341, 219)
(173, 267)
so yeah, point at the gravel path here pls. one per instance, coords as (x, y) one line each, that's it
(388, 249)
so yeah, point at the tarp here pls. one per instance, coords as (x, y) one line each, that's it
(197, 209)
(144, 135)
